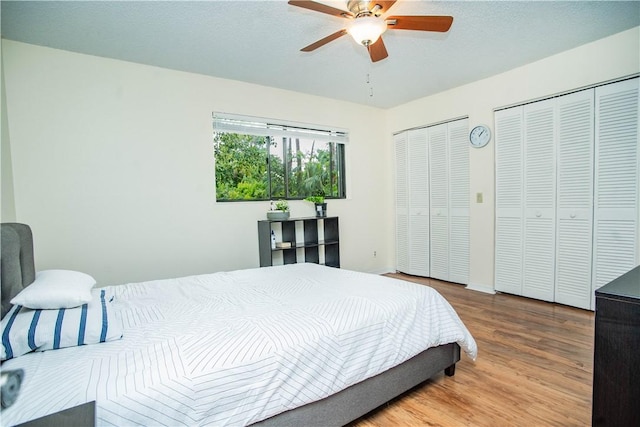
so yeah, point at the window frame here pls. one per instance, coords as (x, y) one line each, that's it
(286, 132)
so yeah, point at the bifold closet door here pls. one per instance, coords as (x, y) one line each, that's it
(509, 150)
(449, 201)
(525, 200)
(412, 202)
(439, 186)
(574, 222)
(616, 198)
(458, 135)
(402, 202)
(539, 200)
(567, 193)
(432, 201)
(418, 181)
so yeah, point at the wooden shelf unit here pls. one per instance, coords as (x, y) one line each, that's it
(306, 246)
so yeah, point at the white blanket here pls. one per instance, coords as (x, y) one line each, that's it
(237, 347)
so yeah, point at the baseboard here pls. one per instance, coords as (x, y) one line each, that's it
(481, 288)
(381, 272)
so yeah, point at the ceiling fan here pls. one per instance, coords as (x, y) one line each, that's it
(367, 25)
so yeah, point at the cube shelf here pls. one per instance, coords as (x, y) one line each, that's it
(304, 235)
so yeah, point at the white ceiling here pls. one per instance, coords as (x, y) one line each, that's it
(259, 41)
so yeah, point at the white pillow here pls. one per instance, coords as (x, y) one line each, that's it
(25, 330)
(54, 289)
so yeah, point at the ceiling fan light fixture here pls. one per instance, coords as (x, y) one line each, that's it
(366, 30)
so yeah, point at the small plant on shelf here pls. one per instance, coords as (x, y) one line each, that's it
(279, 210)
(281, 205)
(320, 205)
(318, 200)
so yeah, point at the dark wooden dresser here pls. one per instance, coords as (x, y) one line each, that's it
(616, 362)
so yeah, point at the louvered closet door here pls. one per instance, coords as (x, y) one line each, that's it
(616, 181)
(539, 200)
(574, 220)
(402, 202)
(509, 200)
(439, 186)
(418, 180)
(458, 133)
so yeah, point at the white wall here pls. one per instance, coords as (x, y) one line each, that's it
(113, 167)
(7, 209)
(603, 60)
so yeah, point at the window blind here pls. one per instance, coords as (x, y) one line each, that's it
(233, 123)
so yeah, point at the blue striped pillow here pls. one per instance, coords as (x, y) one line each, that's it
(25, 330)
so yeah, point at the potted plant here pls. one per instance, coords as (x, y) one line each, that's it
(320, 205)
(279, 210)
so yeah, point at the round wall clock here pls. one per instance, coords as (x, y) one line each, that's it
(479, 136)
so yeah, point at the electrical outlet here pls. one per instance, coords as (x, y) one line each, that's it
(478, 197)
(375, 254)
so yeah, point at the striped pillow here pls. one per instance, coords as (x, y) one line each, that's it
(25, 330)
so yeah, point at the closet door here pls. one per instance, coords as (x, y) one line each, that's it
(574, 220)
(509, 148)
(402, 202)
(616, 181)
(439, 185)
(458, 135)
(418, 180)
(539, 200)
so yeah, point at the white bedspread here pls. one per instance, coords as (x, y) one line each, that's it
(236, 347)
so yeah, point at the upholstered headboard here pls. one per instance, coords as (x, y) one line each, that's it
(17, 265)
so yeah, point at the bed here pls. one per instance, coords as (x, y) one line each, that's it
(300, 344)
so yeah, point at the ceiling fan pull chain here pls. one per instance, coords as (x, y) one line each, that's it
(370, 85)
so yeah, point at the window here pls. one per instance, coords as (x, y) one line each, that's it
(260, 160)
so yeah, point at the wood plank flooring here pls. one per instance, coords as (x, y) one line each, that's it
(534, 367)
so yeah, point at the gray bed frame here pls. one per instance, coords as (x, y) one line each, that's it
(18, 272)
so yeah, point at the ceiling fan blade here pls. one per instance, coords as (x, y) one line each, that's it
(420, 23)
(319, 7)
(378, 51)
(322, 42)
(384, 5)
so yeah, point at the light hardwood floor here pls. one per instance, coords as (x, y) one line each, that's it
(534, 367)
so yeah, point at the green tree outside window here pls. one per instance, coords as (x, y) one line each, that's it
(250, 167)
